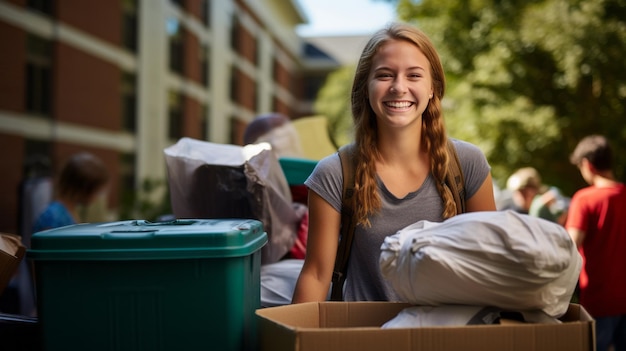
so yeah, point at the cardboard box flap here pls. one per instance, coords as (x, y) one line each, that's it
(365, 314)
(305, 315)
(566, 336)
(351, 339)
(576, 313)
(333, 314)
(359, 315)
(349, 326)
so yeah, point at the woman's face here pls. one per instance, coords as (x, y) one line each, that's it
(399, 84)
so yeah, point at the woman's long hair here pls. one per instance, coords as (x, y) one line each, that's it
(433, 128)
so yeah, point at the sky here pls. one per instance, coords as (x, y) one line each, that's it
(344, 17)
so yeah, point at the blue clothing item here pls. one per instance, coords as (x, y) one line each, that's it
(54, 216)
(611, 331)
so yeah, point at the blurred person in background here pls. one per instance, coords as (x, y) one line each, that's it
(551, 205)
(35, 194)
(277, 130)
(526, 193)
(82, 180)
(597, 225)
(523, 185)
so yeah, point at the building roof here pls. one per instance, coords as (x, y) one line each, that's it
(345, 50)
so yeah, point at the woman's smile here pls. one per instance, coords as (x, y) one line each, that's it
(398, 104)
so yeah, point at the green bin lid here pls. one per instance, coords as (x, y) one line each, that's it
(296, 170)
(144, 240)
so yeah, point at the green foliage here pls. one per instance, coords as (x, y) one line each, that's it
(528, 79)
(141, 203)
(333, 102)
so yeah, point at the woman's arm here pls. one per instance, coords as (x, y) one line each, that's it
(483, 200)
(315, 277)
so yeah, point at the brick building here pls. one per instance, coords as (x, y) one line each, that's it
(125, 79)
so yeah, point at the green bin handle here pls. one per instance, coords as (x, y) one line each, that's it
(128, 234)
(142, 222)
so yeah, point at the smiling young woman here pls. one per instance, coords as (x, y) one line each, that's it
(401, 164)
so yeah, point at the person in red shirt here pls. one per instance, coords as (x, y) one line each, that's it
(597, 224)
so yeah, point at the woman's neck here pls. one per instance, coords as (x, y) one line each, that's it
(399, 147)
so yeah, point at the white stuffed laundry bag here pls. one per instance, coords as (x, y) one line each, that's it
(499, 258)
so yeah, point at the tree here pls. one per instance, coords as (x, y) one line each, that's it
(528, 79)
(333, 102)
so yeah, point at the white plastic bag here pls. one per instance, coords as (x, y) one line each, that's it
(458, 315)
(500, 258)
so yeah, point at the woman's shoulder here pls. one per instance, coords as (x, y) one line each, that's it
(327, 180)
(465, 147)
(474, 165)
(329, 163)
(328, 169)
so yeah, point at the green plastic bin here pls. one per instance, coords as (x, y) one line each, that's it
(136, 285)
(296, 170)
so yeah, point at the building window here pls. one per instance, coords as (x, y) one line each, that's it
(257, 52)
(274, 69)
(43, 6)
(175, 108)
(312, 85)
(234, 34)
(233, 84)
(129, 24)
(205, 65)
(37, 158)
(206, 123)
(127, 187)
(256, 97)
(176, 47)
(129, 102)
(233, 129)
(206, 12)
(38, 75)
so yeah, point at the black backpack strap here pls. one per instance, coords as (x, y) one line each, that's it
(455, 179)
(347, 157)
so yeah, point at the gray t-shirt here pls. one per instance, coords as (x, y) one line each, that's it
(364, 281)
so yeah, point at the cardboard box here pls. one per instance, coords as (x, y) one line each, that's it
(348, 326)
(11, 254)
